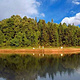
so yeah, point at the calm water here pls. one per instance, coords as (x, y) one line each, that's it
(49, 67)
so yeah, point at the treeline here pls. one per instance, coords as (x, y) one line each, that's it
(24, 32)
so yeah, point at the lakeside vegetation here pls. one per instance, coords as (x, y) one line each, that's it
(26, 32)
(9, 47)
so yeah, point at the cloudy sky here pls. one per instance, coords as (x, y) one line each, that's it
(67, 11)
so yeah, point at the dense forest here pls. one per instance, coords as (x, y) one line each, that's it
(23, 32)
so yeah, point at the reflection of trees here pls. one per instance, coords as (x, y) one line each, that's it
(16, 67)
(72, 61)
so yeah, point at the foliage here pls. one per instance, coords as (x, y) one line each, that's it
(24, 32)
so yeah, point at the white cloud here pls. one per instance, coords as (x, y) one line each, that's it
(42, 14)
(76, 2)
(72, 20)
(21, 7)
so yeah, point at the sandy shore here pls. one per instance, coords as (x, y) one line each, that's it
(45, 51)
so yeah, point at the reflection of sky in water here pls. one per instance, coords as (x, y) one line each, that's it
(66, 76)
(78, 70)
(63, 76)
(2, 79)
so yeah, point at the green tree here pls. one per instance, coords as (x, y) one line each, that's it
(1, 38)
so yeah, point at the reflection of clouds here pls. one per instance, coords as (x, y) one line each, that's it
(2, 79)
(45, 78)
(78, 70)
(59, 76)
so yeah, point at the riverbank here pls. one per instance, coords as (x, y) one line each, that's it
(45, 51)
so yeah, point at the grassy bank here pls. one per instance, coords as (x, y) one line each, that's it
(38, 47)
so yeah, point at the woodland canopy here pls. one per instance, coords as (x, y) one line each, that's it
(23, 32)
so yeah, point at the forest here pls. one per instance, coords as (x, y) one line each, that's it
(24, 32)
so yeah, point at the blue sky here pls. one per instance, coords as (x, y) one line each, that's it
(67, 11)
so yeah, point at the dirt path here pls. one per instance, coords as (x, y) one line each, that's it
(45, 51)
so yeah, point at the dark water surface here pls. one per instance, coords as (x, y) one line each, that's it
(48, 67)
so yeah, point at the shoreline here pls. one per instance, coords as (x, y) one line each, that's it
(45, 51)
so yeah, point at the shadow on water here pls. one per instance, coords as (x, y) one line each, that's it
(28, 67)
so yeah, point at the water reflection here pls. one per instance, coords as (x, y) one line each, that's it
(2, 79)
(28, 67)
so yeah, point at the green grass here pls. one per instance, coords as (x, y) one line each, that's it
(36, 47)
(16, 47)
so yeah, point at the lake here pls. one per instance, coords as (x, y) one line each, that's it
(39, 67)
